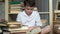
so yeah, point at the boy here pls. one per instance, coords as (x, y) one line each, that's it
(31, 18)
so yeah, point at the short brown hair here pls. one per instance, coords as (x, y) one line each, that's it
(30, 3)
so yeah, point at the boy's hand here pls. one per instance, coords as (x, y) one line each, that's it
(33, 27)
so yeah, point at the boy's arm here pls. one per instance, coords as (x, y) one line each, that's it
(38, 20)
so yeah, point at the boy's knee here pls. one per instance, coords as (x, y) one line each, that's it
(46, 29)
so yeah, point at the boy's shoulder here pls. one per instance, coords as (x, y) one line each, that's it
(35, 11)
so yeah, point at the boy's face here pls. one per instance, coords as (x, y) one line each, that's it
(28, 9)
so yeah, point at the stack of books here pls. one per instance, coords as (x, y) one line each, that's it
(16, 27)
(15, 7)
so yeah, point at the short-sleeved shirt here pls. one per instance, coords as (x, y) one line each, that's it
(32, 20)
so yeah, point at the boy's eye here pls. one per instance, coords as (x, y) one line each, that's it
(29, 9)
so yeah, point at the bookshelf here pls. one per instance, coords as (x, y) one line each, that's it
(57, 11)
(56, 20)
(12, 9)
(44, 8)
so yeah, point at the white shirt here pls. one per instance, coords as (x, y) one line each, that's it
(32, 20)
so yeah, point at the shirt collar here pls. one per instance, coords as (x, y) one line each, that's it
(25, 13)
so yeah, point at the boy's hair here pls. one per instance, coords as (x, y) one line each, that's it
(30, 3)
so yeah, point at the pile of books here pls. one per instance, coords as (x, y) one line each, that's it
(16, 27)
(15, 7)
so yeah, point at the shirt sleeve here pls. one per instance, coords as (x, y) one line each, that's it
(38, 20)
(18, 19)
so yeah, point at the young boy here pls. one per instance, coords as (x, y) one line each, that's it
(31, 18)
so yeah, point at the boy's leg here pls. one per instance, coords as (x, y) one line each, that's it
(46, 30)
